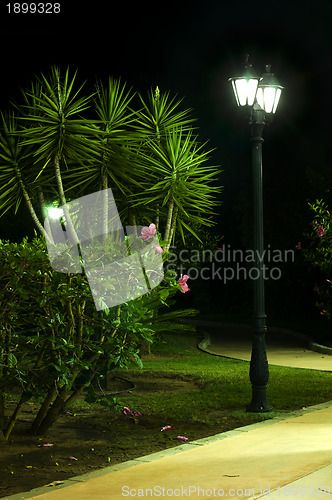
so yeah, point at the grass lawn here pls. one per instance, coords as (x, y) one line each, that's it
(224, 385)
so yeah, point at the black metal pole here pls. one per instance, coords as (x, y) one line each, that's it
(259, 368)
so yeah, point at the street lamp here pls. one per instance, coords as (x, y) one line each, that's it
(259, 96)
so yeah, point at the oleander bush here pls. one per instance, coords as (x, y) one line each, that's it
(54, 344)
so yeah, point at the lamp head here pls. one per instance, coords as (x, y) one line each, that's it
(268, 91)
(245, 86)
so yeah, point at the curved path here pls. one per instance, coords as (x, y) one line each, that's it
(283, 347)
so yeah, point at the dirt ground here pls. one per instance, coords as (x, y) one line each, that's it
(89, 439)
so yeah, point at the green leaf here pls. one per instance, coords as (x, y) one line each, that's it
(12, 360)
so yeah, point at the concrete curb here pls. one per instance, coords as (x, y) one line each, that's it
(171, 451)
(309, 341)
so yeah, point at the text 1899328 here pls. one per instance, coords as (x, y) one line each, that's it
(34, 8)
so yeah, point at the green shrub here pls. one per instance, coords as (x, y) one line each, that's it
(319, 254)
(53, 341)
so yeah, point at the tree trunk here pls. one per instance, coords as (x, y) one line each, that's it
(145, 347)
(173, 225)
(33, 214)
(132, 217)
(105, 204)
(60, 401)
(53, 413)
(80, 322)
(25, 396)
(28, 202)
(69, 222)
(42, 201)
(43, 410)
(15, 414)
(79, 391)
(157, 217)
(169, 221)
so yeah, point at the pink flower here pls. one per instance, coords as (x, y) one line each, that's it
(136, 413)
(71, 458)
(126, 411)
(183, 438)
(47, 445)
(159, 249)
(148, 232)
(167, 428)
(320, 231)
(183, 283)
(298, 246)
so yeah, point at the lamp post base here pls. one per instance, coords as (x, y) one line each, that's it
(259, 368)
(259, 403)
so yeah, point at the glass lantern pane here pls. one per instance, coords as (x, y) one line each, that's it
(276, 101)
(241, 88)
(269, 96)
(235, 93)
(259, 97)
(251, 90)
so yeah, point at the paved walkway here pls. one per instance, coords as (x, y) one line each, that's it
(284, 347)
(285, 457)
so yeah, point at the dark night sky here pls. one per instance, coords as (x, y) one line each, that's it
(192, 48)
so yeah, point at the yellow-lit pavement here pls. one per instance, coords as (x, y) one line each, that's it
(283, 346)
(287, 457)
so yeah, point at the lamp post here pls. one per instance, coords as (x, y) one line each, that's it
(259, 96)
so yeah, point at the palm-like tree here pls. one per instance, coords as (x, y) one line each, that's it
(150, 157)
(53, 131)
(110, 165)
(176, 180)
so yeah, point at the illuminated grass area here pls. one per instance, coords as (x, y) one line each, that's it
(223, 384)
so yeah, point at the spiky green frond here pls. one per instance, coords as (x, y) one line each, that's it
(160, 114)
(179, 169)
(112, 107)
(14, 173)
(51, 121)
